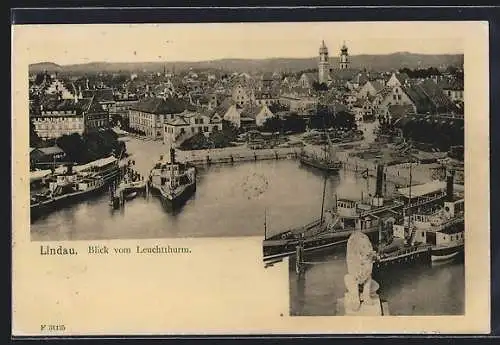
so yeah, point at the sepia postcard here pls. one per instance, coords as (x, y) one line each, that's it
(250, 178)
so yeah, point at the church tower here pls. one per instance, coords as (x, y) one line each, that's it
(323, 65)
(344, 57)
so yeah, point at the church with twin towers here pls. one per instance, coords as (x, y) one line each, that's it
(324, 69)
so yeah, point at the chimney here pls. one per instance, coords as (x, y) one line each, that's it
(172, 155)
(378, 198)
(379, 181)
(449, 186)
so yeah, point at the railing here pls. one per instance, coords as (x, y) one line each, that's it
(448, 223)
(426, 200)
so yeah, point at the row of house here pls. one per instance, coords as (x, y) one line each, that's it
(53, 117)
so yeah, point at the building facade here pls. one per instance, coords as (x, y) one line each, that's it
(149, 115)
(188, 124)
(53, 118)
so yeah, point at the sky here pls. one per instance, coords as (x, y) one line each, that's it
(73, 44)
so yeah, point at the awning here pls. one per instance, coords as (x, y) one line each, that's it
(39, 174)
(422, 189)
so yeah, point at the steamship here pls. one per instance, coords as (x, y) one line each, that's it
(441, 225)
(174, 182)
(348, 215)
(76, 183)
(426, 233)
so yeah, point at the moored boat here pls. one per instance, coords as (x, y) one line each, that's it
(174, 182)
(74, 184)
(336, 225)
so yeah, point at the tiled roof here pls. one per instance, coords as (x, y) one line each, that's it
(268, 76)
(436, 95)
(452, 84)
(419, 98)
(155, 105)
(101, 95)
(402, 77)
(344, 74)
(377, 85)
(250, 111)
(397, 111)
(54, 104)
(385, 91)
(52, 150)
(224, 106)
(312, 76)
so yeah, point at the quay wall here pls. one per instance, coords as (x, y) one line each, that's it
(234, 155)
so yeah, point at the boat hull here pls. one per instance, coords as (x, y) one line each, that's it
(446, 253)
(321, 166)
(176, 202)
(279, 249)
(43, 208)
(418, 254)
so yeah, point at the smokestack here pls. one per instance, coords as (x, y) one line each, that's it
(449, 186)
(172, 155)
(380, 180)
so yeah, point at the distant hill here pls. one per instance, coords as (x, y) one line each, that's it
(370, 62)
(45, 66)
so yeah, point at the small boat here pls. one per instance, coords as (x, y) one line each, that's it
(130, 195)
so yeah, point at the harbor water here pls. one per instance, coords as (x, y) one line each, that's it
(230, 200)
(236, 200)
(437, 289)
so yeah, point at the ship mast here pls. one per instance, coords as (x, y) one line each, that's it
(323, 200)
(409, 202)
(265, 223)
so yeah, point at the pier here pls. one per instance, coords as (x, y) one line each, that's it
(209, 157)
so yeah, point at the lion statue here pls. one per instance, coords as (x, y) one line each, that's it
(359, 256)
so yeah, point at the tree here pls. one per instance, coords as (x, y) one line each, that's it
(344, 120)
(278, 107)
(273, 124)
(35, 140)
(294, 123)
(319, 86)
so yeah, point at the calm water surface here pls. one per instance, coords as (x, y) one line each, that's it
(229, 201)
(438, 289)
(232, 201)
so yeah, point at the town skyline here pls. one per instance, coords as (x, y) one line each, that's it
(80, 44)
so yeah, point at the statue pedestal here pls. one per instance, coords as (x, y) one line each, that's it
(374, 309)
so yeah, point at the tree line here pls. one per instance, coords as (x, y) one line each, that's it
(84, 148)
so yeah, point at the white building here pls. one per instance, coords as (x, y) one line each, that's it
(185, 125)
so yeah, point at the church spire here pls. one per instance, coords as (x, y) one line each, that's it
(323, 64)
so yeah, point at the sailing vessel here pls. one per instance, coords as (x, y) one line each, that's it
(328, 162)
(76, 183)
(174, 182)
